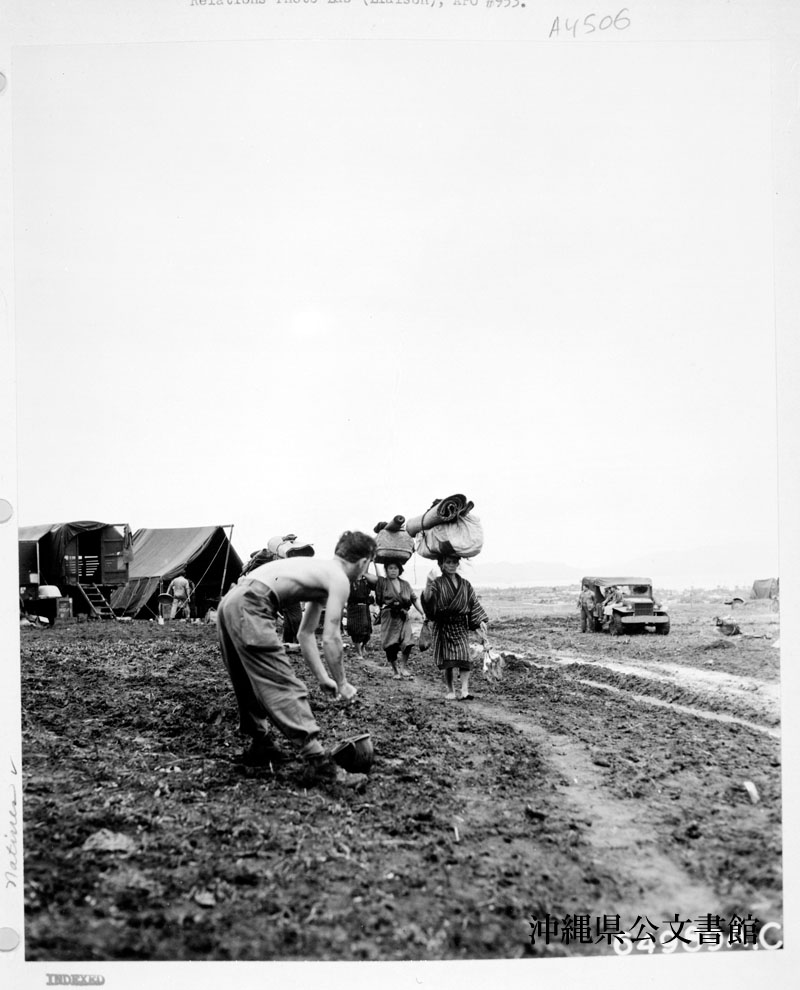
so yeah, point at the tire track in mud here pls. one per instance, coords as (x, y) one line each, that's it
(746, 701)
(709, 679)
(623, 843)
(648, 699)
(617, 865)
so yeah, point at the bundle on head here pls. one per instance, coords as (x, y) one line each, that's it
(393, 546)
(280, 546)
(443, 510)
(462, 538)
(257, 558)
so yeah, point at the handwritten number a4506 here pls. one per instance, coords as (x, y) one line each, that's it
(590, 24)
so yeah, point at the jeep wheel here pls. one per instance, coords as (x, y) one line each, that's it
(617, 628)
(662, 629)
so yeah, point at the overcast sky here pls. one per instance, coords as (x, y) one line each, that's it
(306, 286)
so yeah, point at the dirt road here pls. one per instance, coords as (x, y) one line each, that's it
(604, 785)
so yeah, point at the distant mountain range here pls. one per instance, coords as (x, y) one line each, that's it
(486, 573)
(703, 567)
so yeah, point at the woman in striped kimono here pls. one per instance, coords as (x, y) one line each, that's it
(454, 610)
(359, 621)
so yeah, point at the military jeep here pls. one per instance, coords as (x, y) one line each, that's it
(621, 605)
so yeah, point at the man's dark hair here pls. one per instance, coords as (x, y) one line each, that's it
(353, 546)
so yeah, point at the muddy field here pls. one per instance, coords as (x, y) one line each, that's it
(603, 785)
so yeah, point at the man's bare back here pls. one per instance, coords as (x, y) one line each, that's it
(303, 579)
(265, 684)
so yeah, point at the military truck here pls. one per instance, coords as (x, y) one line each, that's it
(621, 605)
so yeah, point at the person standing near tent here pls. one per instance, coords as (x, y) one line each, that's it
(268, 691)
(181, 590)
(454, 610)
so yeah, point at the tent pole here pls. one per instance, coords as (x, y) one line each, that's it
(225, 568)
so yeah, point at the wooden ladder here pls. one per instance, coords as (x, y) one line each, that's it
(97, 602)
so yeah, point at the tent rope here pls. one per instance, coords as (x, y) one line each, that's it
(216, 554)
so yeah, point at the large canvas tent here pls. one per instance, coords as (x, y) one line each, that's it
(766, 588)
(203, 553)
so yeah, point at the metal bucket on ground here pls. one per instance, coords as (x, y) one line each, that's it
(354, 754)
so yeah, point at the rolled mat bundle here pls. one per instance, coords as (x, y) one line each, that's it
(442, 510)
(287, 546)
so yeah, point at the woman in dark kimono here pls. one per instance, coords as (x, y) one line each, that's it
(359, 621)
(454, 610)
(396, 598)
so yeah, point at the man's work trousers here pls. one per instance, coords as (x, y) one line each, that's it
(266, 687)
(179, 605)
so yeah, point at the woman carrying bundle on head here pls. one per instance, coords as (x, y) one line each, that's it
(396, 597)
(454, 610)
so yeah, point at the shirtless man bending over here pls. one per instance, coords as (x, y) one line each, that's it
(267, 689)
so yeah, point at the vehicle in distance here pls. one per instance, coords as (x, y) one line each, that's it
(621, 605)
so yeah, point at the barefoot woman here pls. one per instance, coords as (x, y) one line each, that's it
(454, 610)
